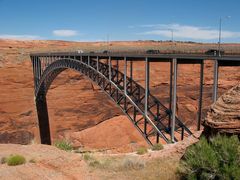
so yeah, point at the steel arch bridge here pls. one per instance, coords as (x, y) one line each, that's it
(149, 116)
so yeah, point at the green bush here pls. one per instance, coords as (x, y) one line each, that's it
(63, 145)
(142, 150)
(157, 147)
(15, 160)
(217, 159)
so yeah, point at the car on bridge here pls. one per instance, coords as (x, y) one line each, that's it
(80, 51)
(153, 51)
(214, 52)
(105, 51)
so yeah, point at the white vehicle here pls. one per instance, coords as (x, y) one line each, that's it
(80, 51)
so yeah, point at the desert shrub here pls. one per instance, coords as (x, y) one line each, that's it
(15, 160)
(32, 161)
(218, 158)
(102, 163)
(157, 147)
(3, 160)
(63, 145)
(87, 157)
(142, 150)
(133, 164)
(95, 163)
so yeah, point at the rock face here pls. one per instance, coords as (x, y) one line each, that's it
(224, 115)
(75, 104)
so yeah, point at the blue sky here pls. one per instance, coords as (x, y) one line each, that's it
(93, 20)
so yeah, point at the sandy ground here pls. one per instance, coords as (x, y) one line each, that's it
(52, 163)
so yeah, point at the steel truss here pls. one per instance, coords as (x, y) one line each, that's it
(146, 112)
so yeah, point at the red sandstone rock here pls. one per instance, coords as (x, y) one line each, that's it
(224, 115)
(74, 105)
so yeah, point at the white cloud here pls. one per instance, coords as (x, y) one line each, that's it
(187, 32)
(19, 37)
(65, 32)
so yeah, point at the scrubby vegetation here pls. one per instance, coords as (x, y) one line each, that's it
(100, 163)
(87, 156)
(3, 160)
(32, 161)
(63, 145)
(15, 160)
(157, 147)
(133, 164)
(142, 150)
(218, 158)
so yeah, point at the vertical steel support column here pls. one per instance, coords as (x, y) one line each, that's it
(125, 82)
(97, 64)
(110, 74)
(146, 92)
(215, 85)
(125, 75)
(47, 62)
(170, 93)
(97, 75)
(38, 68)
(131, 74)
(146, 84)
(88, 63)
(34, 71)
(174, 99)
(117, 64)
(200, 96)
(109, 69)
(131, 69)
(117, 70)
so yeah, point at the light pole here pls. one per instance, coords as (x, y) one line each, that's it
(220, 33)
(172, 37)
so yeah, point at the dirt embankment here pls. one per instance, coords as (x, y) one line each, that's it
(48, 162)
(75, 104)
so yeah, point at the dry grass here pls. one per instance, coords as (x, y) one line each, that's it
(133, 167)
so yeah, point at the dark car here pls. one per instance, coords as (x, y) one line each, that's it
(91, 52)
(152, 51)
(214, 52)
(105, 51)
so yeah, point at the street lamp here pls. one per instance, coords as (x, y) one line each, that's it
(172, 37)
(220, 33)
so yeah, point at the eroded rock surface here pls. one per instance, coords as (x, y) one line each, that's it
(224, 115)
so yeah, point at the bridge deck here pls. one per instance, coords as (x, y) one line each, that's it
(142, 56)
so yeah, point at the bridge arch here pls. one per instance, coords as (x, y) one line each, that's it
(124, 91)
